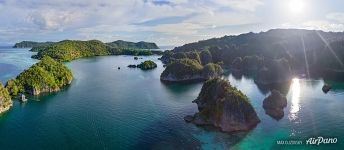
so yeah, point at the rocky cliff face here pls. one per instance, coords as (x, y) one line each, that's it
(5, 99)
(223, 106)
(274, 104)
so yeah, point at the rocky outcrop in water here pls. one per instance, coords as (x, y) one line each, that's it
(326, 88)
(146, 65)
(274, 104)
(224, 107)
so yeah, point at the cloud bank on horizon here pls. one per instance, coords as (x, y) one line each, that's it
(166, 22)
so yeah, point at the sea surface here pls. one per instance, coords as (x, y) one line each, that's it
(110, 108)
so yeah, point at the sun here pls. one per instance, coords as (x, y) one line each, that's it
(296, 6)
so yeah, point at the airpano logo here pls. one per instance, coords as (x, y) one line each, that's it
(321, 140)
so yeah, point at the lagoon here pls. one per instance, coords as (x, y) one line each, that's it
(107, 108)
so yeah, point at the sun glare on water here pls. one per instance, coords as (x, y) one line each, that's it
(296, 6)
(295, 101)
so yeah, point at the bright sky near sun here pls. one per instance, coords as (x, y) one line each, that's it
(165, 22)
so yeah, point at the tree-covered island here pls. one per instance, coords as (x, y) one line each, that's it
(68, 50)
(223, 106)
(46, 76)
(31, 44)
(146, 65)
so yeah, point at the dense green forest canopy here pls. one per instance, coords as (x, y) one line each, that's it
(133, 45)
(5, 98)
(47, 75)
(31, 44)
(306, 51)
(147, 65)
(68, 50)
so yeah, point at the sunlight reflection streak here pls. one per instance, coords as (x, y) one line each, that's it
(295, 106)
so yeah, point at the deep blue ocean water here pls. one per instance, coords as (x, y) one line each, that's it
(107, 108)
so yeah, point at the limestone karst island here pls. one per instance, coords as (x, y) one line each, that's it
(171, 75)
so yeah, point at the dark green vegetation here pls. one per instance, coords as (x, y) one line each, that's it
(31, 44)
(254, 53)
(5, 99)
(132, 45)
(47, 75)
(181, 70)
(147, 65)
(223, 106)
(68, 50)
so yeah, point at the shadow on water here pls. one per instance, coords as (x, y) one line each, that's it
(263, 88)
(189, 137)
(180, 87)
(281, 87)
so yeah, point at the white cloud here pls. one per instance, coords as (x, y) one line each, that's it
(109, 19)
(53, 20)
(317, 25)
(336, 16)
(244, 5)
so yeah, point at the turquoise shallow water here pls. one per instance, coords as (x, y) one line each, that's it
(13, 61)
(107, 108)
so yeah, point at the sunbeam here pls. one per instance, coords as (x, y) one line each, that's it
(305, 55)
(330, 48)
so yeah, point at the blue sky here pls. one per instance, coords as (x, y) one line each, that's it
(165, 22)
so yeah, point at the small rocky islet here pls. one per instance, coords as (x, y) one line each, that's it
(146, 65)
(326, 88)
(223, 106)
(274, 104)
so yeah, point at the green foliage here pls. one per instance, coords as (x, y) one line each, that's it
(211, 70)
(147, 65)
(216, 93)
(5, 98)
(182, 68)
(12, 87)
(61, 73)
(206, 57)
(131, 45)
(194, 55)
(135, 52)
(45, 76)
(274, 45)
(39, 48)
(169, 56)
(179, 55)
(68, 50)
(28, 44)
